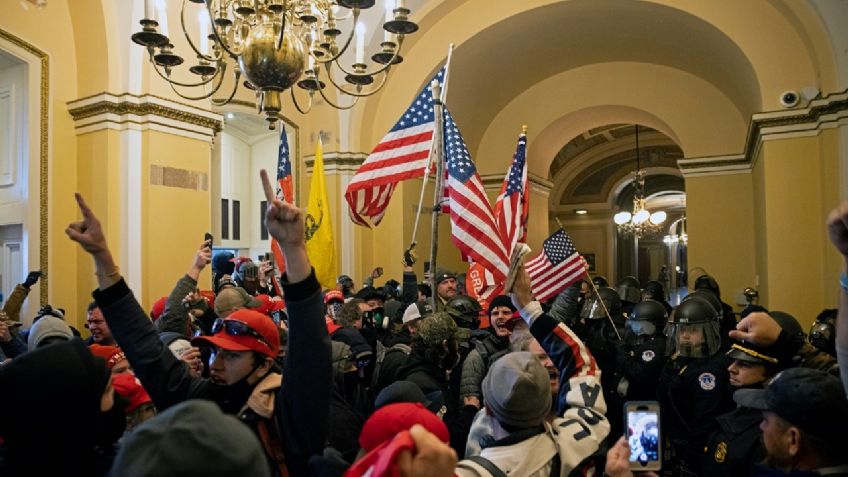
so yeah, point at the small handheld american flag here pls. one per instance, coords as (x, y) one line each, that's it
(558, 266)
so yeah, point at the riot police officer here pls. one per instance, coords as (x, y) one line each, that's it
(728, 318)
(693, 387)
(638, 361)
(630, 292)
(654, 290)
(823, 332)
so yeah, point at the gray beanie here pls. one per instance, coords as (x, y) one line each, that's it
(48, 326)
(517, 390)
(192, 438)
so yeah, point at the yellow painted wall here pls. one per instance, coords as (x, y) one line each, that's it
(794, 211)
(830, 193)
(721, 231)
(173, 219)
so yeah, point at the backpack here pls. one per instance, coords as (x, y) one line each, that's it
(380, 356)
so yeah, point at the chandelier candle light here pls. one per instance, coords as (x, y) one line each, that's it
(274, 45)
(641, 222)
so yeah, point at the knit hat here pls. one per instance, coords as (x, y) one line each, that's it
(259, 333)
(48, 327)
(192, 438)
(407, 391)
(128, 386)
(436, 328)
(392, 419)
(111, 354)
(235, 297)
(442, 275)
(517, 390)
(501, 300)
(176, 342)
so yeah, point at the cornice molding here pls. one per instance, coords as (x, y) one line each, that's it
(821, 114)
(143, 112)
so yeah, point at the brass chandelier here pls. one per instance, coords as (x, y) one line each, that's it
(641, 222)
(274, 45)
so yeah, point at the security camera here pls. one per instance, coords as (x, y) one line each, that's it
(789, 99)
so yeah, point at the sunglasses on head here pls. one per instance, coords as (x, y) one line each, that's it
(237, 328)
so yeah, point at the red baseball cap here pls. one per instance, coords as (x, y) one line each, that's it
(158, 308)
(333, 295)
(111, 354)
(392, 419)
(128, 386)
(230, 338)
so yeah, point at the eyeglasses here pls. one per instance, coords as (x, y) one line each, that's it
(238, 328)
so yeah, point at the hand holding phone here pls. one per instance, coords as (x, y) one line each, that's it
(208, 238)
(642, 430)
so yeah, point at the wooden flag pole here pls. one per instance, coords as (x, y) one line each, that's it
(438, 140)
(598, 295)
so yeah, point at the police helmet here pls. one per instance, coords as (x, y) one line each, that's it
(566, 306)
(629, 289)
(648, 319)
(654, 290)
(706, 282)
(600, 281)
(823, 332)
(788, 323)
(709, 298)
(465, 311)
(693, 330)
(592, 308)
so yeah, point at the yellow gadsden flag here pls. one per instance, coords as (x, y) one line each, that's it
(319, 226)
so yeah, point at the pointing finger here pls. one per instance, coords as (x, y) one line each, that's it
(266, 185)
(86, 211)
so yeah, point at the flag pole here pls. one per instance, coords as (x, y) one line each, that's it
(414, 240)
(598, 295)
(438, 141)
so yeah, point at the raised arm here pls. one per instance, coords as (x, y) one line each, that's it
(175, 318)
(837, 228)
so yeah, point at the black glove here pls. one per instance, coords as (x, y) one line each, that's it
(409, 256)
(32, 278)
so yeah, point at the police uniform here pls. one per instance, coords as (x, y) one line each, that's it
(692, 393)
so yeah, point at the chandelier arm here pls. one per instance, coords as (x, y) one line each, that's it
(347, 43)
(189, 85)
(297, 105)
(236, 77)
(215, 32)
(354, 93)
(195, 98)
(385, 67)
(338, 106)
(188, 39)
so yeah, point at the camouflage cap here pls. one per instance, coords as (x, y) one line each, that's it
(436, 328)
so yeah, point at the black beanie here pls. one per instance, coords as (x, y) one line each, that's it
(501, 300)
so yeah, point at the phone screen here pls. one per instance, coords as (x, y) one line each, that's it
(643, 436)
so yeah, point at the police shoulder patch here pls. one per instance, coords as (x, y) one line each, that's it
(707, 381)
(648, 355)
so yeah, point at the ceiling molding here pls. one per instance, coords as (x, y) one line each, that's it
(821, 114)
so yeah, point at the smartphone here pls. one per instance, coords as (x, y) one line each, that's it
(642, 427)
(426, 268)
(208, 238)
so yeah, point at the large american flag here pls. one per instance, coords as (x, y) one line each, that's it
(513, 202)
(402, 154)
(558, 266)
(473, 227)
(285, 191)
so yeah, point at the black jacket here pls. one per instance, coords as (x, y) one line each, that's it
(302, 404)
(736, 446)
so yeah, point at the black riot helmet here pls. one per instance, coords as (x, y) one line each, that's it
(566, 306)
(592, 308)
(647, 319)
(693, 330)
(709, 298)
(654, 290)
(823, 332)
(629, 289)
(465, 311)
(600, 281)
(706, 282)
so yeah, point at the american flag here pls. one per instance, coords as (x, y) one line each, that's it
(558, 266)
(284, 181)
(402, 154)
(513, 202)
(473, 227)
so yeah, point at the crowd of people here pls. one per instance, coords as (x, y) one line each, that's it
(269, 374)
